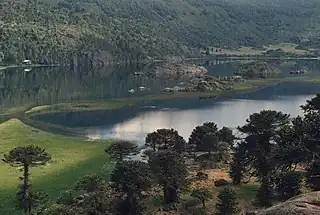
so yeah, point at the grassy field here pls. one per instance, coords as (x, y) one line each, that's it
(72, 158)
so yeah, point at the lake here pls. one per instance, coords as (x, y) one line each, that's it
(44, 86)
(230, 113)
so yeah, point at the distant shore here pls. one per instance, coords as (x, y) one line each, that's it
(27, 66)
(180, 59)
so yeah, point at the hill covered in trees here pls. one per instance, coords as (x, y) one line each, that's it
(48, 30)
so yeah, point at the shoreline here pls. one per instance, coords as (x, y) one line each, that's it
(27, 66)
(211, 57)
(28, 112)
(117, 104)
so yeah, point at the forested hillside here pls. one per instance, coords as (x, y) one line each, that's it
(48, 30)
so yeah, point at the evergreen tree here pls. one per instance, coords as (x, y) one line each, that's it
(261, 131)
(264, 193)
(171, 172)
(203, 195)
(210, 143)
(89, 183)
(164, 139)
(130, 179)
(26, 157)
(226, 135)
(227, 202)
(289, 184)
(237, 166)
(313, 175)
(121, 149)
(200, 137)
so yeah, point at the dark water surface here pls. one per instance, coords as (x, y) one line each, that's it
(229, 112)
(44, 86)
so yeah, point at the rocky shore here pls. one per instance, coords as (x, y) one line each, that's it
(179, 71)
(257, 70)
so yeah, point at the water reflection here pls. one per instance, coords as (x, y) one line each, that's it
(40, 86)
(231, 113)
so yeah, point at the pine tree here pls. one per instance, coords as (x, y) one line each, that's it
(227, 202)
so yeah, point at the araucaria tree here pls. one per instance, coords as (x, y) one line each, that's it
(163, 139)
(289, 184)
(26, 157)
(91, 195)
(203, 195)
(171, 172)
(225, 134)
(121, 149)
(208, 138)
(202, 135)
(130, 179)
(227, 202)
(313, 175)
(261, 131)
(237, 168)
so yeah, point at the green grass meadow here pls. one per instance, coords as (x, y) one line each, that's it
(72, 158)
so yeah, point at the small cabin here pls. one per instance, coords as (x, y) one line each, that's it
(26, 62)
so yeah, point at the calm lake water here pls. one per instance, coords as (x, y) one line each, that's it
(230, 113)
(53, 85)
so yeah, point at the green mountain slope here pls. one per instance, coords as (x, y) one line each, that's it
(48, 30)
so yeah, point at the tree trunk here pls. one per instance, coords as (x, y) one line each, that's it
(26, 203)
(170, 194)
(165, 193)
(130, 200)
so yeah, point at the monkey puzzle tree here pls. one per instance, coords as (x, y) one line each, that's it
(261, 131)
(89, 183)
(237, 168)
(203, 195)
(131, 178)
(121, 149)
(289, 184)
(26, 157)
(313, 175)
(226, 135)
(227, 202)
(170, 172)
(91, 195)
(163, 139)
(312, 104)
(199, 138)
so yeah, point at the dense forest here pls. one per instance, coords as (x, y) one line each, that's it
(48, 31)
